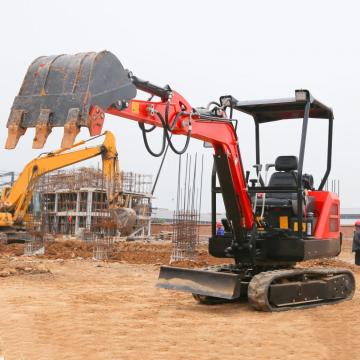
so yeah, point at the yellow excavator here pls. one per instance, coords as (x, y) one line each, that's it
(15, 200)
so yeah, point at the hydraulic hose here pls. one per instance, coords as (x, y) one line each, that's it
(150, 129)
(169, 129)
(146, 143)
(166, 136)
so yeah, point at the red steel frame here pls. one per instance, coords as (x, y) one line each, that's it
(327, 209)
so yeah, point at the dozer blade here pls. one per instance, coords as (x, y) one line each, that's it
(210, 283)
(68, 91)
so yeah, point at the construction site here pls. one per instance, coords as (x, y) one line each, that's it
(199, 207)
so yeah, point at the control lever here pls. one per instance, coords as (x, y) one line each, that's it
(267, 168)
(253, 182)
(247, 175)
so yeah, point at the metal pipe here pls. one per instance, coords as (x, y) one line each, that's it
(194, 183)
(213, 201)
(329, 154)
(178, 186)
(257, 141)
(201, 184)
(186, 170)
(300, 167)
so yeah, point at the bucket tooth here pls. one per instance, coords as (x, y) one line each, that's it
(42, 129)
(71, 128)
(14, 134)
(15, 128)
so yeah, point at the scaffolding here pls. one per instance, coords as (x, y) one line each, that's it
(6, 178)
(75, 201)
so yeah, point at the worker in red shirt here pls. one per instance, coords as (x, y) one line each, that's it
(356, 242)
(69, 223)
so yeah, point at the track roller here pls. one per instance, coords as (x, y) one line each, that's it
(281, 290)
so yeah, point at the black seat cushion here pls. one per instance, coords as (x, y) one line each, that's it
(282, 179)
(276, 202)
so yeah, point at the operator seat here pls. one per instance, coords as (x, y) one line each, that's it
(286, 176)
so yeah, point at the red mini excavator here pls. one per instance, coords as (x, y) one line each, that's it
(269, 226)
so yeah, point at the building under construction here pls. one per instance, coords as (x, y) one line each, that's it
(75, 202)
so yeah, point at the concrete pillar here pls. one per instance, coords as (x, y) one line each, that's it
(149, 228)
(77, 212)
(89, 209)
(56, 218)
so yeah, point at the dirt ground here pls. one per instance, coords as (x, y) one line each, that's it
(66, 306)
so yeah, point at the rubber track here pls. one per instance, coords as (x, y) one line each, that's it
(259, 286)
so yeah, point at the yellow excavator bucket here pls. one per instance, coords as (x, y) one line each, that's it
(67, 91)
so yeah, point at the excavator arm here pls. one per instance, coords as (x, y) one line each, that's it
(72, 91)
(17, 199)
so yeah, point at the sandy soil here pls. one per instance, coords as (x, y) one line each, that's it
(131, 252)
(83, 309)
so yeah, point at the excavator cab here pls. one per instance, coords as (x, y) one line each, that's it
(294, 221)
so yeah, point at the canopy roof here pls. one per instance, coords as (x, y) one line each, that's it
(279, 109)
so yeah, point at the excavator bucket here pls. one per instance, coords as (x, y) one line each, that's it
(125, 219)
(202, 282)
(68, 91)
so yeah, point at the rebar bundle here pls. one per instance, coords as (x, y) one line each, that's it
(188, 209)
(103, 248)
(34, 245)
